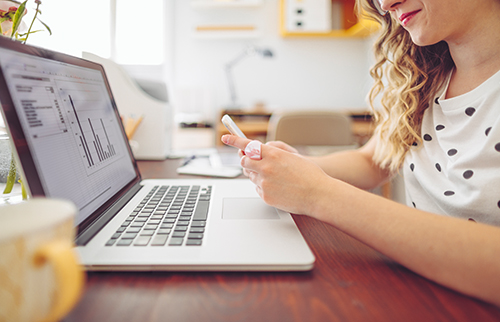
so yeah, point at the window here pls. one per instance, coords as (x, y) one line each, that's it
(128, 31)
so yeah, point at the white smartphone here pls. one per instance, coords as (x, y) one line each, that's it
(232, 127)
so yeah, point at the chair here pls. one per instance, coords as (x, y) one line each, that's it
(312, 129)
(318, 132)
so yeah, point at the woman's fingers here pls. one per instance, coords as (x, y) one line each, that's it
(235, 141)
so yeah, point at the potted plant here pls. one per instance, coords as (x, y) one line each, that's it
(11, 25)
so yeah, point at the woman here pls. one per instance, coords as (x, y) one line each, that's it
(437, 74)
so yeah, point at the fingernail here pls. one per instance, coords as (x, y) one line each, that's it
(253, 150)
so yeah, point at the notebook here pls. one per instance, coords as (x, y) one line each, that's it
(71, 144)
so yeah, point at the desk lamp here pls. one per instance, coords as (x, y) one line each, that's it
(249, 51)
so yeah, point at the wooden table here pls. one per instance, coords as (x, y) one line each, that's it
(350, 282)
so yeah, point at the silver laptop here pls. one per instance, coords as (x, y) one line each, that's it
(70, 141)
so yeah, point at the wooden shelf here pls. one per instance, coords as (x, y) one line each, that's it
(352, 27)
(203, 4)
(254, 125)
(226, 31)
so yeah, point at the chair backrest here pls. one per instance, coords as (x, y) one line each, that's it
(310, 128)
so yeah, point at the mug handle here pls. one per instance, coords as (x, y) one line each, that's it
(69, 276)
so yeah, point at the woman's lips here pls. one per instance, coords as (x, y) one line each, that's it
(406, 17)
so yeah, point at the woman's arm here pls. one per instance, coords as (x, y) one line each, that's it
(352, 166)
(355, 167)
(461, 255)
(456, 253)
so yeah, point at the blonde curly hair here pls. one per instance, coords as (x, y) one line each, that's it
(407, 78)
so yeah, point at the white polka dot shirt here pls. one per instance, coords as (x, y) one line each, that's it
(456, 170)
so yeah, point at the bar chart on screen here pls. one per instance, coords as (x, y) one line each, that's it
(91, 121)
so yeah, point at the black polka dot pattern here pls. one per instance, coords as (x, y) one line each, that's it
(440, 133)
(470, 111)
(468, 174)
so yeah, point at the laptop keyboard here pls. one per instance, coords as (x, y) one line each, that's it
(167, 216)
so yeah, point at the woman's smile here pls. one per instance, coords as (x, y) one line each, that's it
(406, 17)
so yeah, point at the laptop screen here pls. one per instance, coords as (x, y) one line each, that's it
(72, 130)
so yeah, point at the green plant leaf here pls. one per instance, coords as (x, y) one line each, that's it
(31, 32)
(18, 17)
(11, 177)
(45, 25)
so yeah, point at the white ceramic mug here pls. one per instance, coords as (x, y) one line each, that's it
(40, 277)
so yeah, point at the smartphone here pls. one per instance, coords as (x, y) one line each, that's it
(232, 127)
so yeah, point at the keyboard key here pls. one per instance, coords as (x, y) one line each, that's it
(142, 241)
(176, 241)
(124, 242)
(164, 231)
(197, 230)
(126, 223)
(129, 235)
(193, 242)
(195, 236)
(110, 242)
(147, 233)
(178, 234)
(198, 224)
(116, 236)
(159, 240)
(201, 211)
(181, 228)
(133, 230)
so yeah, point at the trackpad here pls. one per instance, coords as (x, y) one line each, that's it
(247, 208)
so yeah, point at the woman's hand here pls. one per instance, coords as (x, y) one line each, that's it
(277, 144)
(283, 178)
(283, 146)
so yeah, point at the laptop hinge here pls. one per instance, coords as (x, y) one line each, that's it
(85, 236)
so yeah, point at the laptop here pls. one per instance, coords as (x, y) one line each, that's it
(71, 144)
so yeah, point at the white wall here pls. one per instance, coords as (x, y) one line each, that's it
(304, 72)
